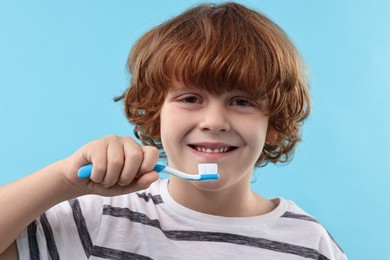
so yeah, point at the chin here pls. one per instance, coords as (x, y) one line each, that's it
(211, 186)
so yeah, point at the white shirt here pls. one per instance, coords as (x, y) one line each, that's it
(150, 225)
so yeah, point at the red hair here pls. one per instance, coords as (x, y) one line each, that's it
(220, 48)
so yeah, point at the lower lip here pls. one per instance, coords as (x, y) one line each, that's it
(211, 156)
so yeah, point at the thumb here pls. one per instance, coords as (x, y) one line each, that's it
(143, 182)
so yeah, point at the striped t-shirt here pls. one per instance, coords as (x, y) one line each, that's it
(150, 225)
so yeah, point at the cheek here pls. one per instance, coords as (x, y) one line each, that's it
(165, 126)
(256, 134)
(172, 128)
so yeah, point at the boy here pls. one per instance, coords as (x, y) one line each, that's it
(217, 84)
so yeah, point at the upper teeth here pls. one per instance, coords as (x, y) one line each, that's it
(209, 150)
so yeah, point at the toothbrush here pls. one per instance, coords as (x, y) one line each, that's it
(207, 172)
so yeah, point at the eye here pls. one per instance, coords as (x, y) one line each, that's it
(191, 99)
(242, 102)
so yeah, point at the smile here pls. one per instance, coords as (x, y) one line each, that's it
(205, 149)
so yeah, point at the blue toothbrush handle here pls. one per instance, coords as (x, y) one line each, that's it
(159, 167)
(85, 171)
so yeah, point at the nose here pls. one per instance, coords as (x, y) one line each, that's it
(215, 118)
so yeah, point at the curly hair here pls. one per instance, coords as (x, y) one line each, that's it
(220, 48)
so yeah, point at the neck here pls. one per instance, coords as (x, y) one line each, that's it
(235, 201)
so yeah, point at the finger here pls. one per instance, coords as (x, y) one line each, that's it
(150, 158)
(133, 158)
(140, 184)
(99, 160)
(115, 161)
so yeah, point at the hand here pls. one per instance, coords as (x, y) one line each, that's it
(120, 166)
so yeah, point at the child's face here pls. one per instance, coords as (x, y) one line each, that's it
(199, 127)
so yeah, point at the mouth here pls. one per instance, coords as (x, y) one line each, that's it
(213, 148)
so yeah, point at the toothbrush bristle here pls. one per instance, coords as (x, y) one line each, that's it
(208, 171)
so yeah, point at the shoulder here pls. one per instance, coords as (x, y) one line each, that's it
(309, 231)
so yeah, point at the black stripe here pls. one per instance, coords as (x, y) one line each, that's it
(309, 218)
(244, 241)
(115, 254)
(32, 241)
(82, 229)
(86, 241)
(289, 214)
(50, 242)
(155, 198)
(200, 236)
(130, 215)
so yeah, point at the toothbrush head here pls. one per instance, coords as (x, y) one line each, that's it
(208, 171)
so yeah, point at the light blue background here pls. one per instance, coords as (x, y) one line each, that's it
(61, 62)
